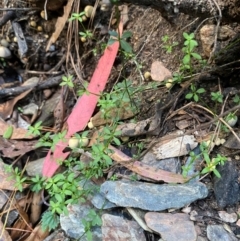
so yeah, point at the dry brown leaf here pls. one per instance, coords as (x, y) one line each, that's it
(60, 24)
(38, 234)
(21, 226)
(146, 170)
(159, 72)
(5, 178)
(12, 148)
(6, 108)
(3, 233)
(17, 133)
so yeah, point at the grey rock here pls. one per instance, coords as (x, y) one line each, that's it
(199, 238)
(100, 202)
(226, 188)
(35, 167)
(72, 223)
(97, 199)
(172, 227)
(57, 235)
(169, 164)
(3, 199)
(117, 228)
(218, 233)
(152, 197)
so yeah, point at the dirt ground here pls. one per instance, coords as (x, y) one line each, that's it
(147, 27)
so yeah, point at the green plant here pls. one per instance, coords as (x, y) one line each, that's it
(194, 93)
(210, 163)
(17, 176)
(217, 97)
(87, 34)
(236, 99)
(90, 221)
(50, 140)
(125, 46)
(189, 45)
(168, 46)
(67, 81)
(50, 221)
(35, 130)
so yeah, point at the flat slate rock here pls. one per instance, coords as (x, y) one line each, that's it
(172, 227)
(152, 197)
(218, 233)
(226, 188)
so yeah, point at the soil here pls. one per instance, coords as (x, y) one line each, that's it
(147, 27)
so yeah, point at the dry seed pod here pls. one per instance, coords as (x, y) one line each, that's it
(83, 39)
(169, 83)
(42, 14)
(39, 28)
(90, 124)
(73, 142)
(33, 24)
(147, 75)
(88, 11)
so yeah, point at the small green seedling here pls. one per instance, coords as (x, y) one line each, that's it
(194, 94)
(67, 81)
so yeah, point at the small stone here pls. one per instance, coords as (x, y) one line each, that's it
(116, 228)
(172, 227)
(217, 233)
(34, 168)
(228, 217)
(4, 43)
(186, 210)
(5, 52)
(159, 72)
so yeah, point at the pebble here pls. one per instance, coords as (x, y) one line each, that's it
(228, 217)
(172, 227)
(34, 168)
(218, 233)
(5, 52)
(152, 197)
(116, 228)
(226, 188)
